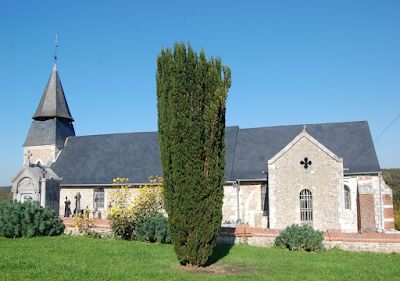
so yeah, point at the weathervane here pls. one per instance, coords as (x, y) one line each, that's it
(55, 54)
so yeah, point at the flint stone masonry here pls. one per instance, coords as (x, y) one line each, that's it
(249, 205)
(349, 216)
(229, 207)
(323, 177)
(45, 154)
(87, 199)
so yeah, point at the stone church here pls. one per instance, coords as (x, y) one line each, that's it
(324, 175)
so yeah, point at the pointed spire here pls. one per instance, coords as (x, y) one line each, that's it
(55, 53)
(53, 103)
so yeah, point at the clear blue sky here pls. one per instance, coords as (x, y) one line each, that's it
(293, 62)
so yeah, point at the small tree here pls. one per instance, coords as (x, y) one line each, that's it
(191, 96)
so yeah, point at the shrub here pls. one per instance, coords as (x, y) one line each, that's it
(28, 219)
(127, 211)
(300, 238)
(154, 229)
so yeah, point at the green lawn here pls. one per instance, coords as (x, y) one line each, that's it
(81, 258)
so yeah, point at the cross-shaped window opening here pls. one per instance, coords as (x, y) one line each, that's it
(305, 162)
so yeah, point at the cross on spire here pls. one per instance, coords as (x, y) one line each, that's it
(55, 54)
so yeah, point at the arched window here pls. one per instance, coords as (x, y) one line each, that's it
(264, 199)
(346, 197)
(99, 198)
(305, 207)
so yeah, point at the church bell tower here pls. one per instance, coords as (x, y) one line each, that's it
(52, 124)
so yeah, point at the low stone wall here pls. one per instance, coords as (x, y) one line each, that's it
(264, 237)
(101, 226)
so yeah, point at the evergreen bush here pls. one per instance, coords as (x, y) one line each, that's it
(301, 238)
(28, 219)
(191, 97)
(154, 229)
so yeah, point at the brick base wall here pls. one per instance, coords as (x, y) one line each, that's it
(264, 237)
(372, 242)
(367, 213)
(99, 223)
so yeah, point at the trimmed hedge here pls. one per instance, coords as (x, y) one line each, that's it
(28, 219)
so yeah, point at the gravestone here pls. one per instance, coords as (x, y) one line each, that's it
(77, 204)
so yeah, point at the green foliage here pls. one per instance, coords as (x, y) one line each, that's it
(191, 97)
(28, 219)
(129, 209)
(392, 179)
(154, 229)
(5, 194)
(300, 238)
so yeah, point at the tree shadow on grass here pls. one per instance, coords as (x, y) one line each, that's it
(220, 251)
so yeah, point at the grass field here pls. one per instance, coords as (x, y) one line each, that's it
(82, 258)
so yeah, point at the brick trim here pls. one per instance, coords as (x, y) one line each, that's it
(99, 223)
(243, 230)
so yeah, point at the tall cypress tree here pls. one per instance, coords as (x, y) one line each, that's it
(191, 97)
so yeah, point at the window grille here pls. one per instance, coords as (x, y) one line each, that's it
(306, 207)
(99, 198)
(346, 197)
(264, 199)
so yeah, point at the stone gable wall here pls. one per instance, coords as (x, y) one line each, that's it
(287, 178)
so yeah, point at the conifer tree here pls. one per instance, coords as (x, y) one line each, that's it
(191, 97)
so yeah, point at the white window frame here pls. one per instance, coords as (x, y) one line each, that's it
(346, 195)
(99, 193)
(264, 200)
(306, 209)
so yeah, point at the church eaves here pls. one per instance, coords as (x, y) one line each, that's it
(53, 103)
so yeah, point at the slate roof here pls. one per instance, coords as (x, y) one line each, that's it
(94, 160)
(52, 122)
(51, 131)
(347, 140)
(53, 103)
